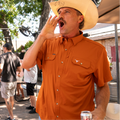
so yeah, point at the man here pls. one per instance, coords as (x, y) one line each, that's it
(30, 77)
(9, 64)
(70, 63)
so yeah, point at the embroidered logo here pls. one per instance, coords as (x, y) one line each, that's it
(59, 3)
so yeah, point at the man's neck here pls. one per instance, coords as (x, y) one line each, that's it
(8, 51)
(72, 35)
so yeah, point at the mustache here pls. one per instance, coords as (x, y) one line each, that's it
(61, 19)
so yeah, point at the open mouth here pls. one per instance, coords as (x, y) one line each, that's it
(61, 24)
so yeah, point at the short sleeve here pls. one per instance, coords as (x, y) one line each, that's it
(102, 73)
(1, 60)
(39, 60)
(40, 55)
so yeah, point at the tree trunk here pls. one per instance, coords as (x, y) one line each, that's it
(45, 13)
(5, 30)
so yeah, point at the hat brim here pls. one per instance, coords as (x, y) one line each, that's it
(86, 7)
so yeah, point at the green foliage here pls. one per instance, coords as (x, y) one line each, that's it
(8, 11)
(1, 36)
(28, 44)
(11, 10)
(19, 49)
(26, 7)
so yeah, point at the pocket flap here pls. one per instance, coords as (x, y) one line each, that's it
(81, 62)
(50, 57)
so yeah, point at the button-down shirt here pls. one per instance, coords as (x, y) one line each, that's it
(70, 68)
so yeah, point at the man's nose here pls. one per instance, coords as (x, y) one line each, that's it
(61, 14)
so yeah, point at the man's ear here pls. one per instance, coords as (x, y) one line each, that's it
(5, 49)
(80, 18)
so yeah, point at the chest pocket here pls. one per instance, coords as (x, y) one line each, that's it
(50, 57)
(81, 63)
(49, 63)
(81, 70)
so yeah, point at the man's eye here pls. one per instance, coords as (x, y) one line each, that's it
(66, 11)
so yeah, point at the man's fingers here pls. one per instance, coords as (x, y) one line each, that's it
(48, 21)
(53, 20)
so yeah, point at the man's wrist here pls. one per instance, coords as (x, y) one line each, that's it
(102, 108)
(42, 36)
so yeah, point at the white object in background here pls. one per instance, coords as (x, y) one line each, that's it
(113, 111)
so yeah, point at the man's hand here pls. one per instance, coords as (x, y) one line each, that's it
(98, 114)
(48, 29)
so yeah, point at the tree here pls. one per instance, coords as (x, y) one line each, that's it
(43, 18)
(45, 13)
(28, 44)
(11, 9)
(9, 12)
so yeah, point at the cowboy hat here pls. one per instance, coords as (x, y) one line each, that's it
(86, 7)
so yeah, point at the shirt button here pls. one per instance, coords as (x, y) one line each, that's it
(56, 103)
(57, 116)
(65, 49)
(57, 90)
(61, 61)
(81, 63)
(58, 75)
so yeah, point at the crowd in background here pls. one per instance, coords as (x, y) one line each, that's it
(12, 74)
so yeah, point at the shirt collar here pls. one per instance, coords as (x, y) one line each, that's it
(75, 40)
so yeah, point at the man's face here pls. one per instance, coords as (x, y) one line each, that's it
(69, 22)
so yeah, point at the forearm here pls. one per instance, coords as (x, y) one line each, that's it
(31, 55)
(19, 69)
(0, 71)
(102, 97)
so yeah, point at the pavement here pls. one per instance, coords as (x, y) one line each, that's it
(19, 110)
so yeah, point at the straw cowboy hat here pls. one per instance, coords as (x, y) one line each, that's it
(86, 7)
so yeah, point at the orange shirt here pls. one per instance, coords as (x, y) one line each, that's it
(70, 68)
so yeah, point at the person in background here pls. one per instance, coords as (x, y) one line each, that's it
(19, 87)
(71, 64)
(9, 64)
(19, 76)
(30, 77)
